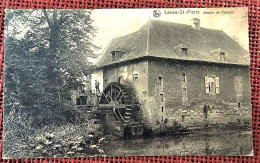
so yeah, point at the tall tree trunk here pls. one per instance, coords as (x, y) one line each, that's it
(53, 51)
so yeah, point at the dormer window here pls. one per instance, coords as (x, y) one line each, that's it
(113, 56)
(182, 49)
(218, 54)
(222, 56)
(116, 54)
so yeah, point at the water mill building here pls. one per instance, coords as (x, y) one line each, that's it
(181, 75)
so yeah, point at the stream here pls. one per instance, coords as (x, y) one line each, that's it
(214, 143)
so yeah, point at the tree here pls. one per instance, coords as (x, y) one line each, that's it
(47, 52)
(236, 39)
(71, 41)
(65, 36)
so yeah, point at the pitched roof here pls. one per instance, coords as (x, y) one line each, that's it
(162, 39)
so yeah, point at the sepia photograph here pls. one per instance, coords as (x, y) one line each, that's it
(126, 82)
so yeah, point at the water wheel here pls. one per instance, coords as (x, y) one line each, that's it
(117, 97)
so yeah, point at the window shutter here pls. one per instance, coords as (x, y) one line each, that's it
(206, 79)
(207, 84)
(217, 85)
(217, 81)
(207, 90)
(217, 90)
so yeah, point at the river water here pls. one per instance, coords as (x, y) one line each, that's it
(217, 143)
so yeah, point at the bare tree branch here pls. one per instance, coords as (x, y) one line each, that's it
(55, 19)
(47, 18)
(61, 17)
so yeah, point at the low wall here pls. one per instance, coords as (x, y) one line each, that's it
(201, 116)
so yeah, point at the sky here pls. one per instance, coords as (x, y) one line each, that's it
(118, 22)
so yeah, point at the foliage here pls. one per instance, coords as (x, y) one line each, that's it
(236, 39)
(63, 39)
(46, 54)
(68, 140)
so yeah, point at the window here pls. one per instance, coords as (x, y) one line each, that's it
(184, 88)
(217, 85)
(105, 81)
(161, 81)
(184, 93)
(117, 54)
(222, 56)
(120, 79)
(77, 101)
(218, 53)
(182, 118)
(212, 85)
(161, 97)
(238, 86)
(184, 50)
(82, 100)
(135, 77)
(162, 109)
(183, 77)
(113, 56)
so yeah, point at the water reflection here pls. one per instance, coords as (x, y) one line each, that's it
(227, 143)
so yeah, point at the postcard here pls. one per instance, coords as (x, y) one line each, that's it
(126, 82)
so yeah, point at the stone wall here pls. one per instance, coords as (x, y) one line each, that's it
(164, 104)
(173, 109)
(127, 72)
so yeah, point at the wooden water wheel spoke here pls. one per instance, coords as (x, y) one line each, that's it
(108, 96)
(111, 93)
(120, 106)
(115, 96)
(118, 95)
(121, 97)
(105, 96)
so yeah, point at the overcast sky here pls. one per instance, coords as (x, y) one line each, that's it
(118, 22)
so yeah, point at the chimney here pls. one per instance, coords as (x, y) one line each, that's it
(196, 23)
